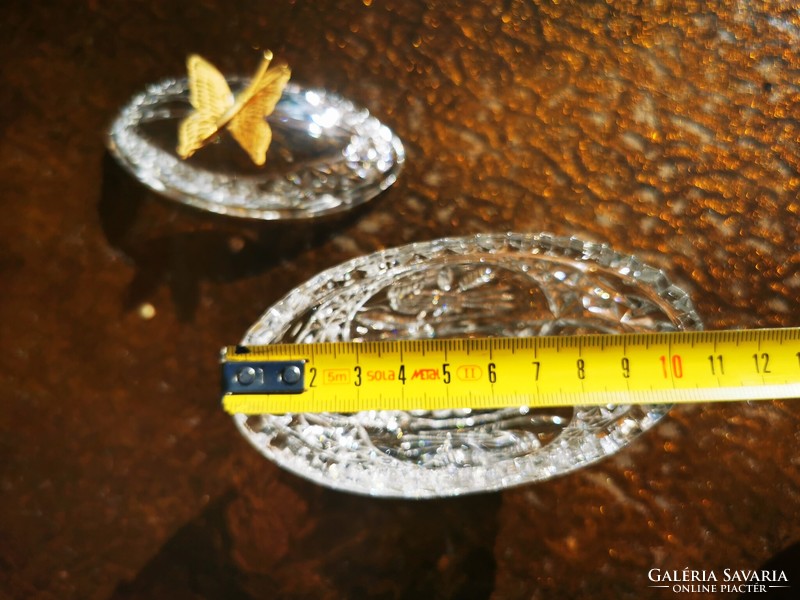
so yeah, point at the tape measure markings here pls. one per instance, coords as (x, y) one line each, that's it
(595, 369)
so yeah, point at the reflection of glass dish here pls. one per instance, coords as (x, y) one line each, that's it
(486, 285)
(327, 155)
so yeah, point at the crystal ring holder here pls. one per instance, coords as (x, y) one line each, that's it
(327, 155)
(486, 285)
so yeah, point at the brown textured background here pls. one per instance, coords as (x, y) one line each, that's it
(669, 132)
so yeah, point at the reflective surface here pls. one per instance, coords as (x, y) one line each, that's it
(327, 155)
(490, 285)
(666, 130)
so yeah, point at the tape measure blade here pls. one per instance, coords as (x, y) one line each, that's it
(636, 368)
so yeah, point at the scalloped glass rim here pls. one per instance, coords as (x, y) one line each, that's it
(368, 162)
(592, 433)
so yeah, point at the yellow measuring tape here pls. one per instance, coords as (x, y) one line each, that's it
(440, 374)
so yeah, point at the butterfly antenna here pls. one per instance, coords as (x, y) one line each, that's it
(262, 68)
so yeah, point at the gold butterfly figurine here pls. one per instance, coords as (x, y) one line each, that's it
(244, 116)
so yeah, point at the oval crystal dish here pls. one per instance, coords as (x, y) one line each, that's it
(501, 285)
(327, 155)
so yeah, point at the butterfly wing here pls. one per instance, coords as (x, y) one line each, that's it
(194, 131)
(211, 98)
(249, 126)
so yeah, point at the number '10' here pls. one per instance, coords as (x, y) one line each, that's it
(673, 366)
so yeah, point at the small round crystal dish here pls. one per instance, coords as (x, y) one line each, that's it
(493, 285)
(327, 155)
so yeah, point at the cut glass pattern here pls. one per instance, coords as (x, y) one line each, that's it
(487, 285)
(327, 155)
